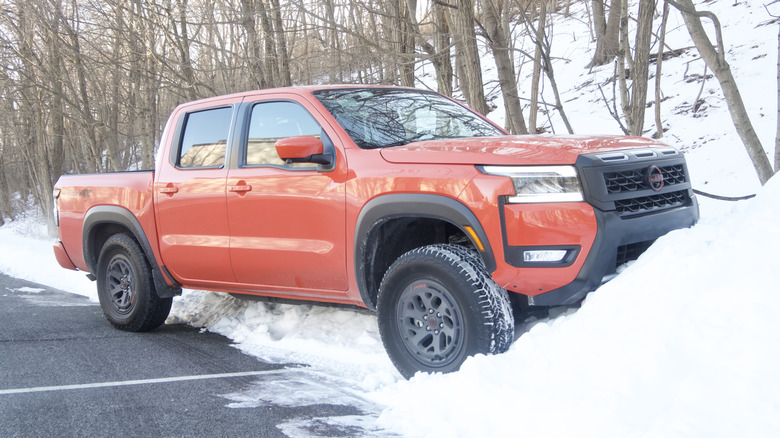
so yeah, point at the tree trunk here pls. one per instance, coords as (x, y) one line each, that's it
(438, 52)
(56, 156)
(406, 48)
(442, 60)
(553, 84)
(606, 31)
(641, 66)
(659, 129)
(334, 44)
(498, 40)
(271, 64)
(467, 55)
(623, 58)
(716, 61)
(537, 67)
(285, 79)
(253, 49)
(183, 44)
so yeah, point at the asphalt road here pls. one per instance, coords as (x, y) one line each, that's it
(65, 372)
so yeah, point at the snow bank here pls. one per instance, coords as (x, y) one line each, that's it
(344, 342)
(26, 253)
(685, 342)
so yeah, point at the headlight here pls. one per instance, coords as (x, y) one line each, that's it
(541, 183)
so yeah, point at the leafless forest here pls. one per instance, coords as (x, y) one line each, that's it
(87, 85)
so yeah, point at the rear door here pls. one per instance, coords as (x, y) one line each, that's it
(191, 202)
(287, 221)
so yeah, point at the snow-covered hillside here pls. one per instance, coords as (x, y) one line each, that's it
(684, 342)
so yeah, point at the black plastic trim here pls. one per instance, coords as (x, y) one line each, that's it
(514, 256)
(399, 205)
(110, 214)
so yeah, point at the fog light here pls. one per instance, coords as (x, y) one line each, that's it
(550, 255)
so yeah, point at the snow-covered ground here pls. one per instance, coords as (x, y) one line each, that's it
(684, 342)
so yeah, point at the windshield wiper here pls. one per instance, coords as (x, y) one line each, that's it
(413, 139)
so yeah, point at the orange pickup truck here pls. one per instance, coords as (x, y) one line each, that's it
(398, 200)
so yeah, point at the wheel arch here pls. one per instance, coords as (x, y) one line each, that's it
(102, 222)
(392, 223)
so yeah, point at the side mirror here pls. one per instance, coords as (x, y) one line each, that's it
(302, 149)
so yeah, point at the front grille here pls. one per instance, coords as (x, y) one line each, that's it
(653, 202)
(633, 180)
(621, 181)
(673, 174)
(627, 253)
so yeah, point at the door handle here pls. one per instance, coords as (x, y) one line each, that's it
(241, 187)
(169, 190)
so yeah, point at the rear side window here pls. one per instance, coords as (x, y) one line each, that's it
(272, 121)
(204, 139)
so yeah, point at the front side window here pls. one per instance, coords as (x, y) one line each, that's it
(204, 139)
(376, 118)
(272, 121)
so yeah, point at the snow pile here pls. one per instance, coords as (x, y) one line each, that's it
(685, 342)
(26, 253)
(344, 342)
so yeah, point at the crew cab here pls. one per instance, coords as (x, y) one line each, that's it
(398, 200)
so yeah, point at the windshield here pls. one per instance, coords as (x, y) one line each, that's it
(377, 118)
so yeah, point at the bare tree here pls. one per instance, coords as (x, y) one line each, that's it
(635, 68)
(438, 51)
(543, 60)
(607, 27)
(285, 79)
(641, 66)
(659, 129)
(539, 39)
(498, 38)
(715, 58)
(469, 67)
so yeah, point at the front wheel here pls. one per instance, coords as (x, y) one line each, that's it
(126, 288)
(437, 305)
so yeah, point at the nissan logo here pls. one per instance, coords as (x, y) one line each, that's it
(655, 178)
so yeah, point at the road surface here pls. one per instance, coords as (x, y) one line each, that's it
(64, 371)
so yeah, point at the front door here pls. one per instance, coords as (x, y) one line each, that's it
(287, 221)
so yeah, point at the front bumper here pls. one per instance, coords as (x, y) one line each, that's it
(616, 240)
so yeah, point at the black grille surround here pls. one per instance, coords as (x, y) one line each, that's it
(620, 181)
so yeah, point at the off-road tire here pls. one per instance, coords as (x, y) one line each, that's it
(126, 288)
(438, 305)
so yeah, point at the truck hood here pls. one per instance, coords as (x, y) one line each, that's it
(510, 150)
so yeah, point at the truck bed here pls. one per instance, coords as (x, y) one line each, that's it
(79, 194)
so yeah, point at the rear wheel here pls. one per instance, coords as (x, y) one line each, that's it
(438, 305)
(126, 288)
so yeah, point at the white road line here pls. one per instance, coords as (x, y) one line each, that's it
(139, 382)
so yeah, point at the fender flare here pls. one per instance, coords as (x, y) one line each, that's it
(404, 205)
(115, 215)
